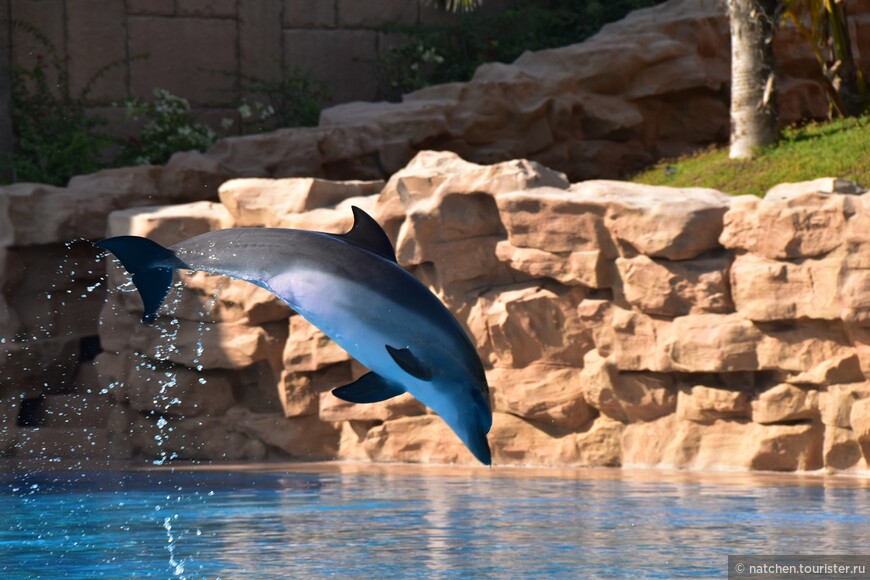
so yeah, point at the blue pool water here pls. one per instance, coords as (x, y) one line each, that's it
(410, 523)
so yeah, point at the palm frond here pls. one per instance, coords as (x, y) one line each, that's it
(458, 5)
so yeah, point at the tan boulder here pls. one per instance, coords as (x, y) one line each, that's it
(853, 292)
(555, 220)
(530, 323)
(675, 288)
(580, 268)
(419, 116)
(541, 393)
(308, 349)
(596, 315)
(419, 439)
(515, 441)
(835, 403)
(266, 202)
(671, 442)
(858, 232)
(214, 298)
(703, 404)
(659, 222)
(859, 337)
(416, 181)
(333, 409)
(628, 397)
(169, 224)
(33, 214)
(692, 343)
(427, 439)
(788, 226)
(813, 348)
(842, 452)
(112, 370)
(712, 343)
(452, 225)
(788, 191)
(70, 312)
(638, 341)
(300, 391)
(191, 175)
(859, 419)
(785, 403)
(615, 217)
(212, 346)
(332, 220)
(306, 438)
(439, 174)
(351, 444)
(56, 443)
(767, 290)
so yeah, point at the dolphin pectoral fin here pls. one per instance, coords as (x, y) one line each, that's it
(368, 234)
(369, 388)
(410, 363)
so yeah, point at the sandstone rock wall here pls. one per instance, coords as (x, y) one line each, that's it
(620, 324)
(603, 276)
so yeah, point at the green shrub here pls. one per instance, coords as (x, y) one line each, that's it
(294, 99)
(168, 128)
(56, 136)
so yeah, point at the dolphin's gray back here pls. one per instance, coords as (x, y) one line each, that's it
(314, 272)
(252, 254)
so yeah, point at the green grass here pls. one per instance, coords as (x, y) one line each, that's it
(839, 148)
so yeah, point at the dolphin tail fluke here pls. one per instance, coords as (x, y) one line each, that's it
(151, 266)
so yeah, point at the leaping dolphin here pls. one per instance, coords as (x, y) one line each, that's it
(350, 287)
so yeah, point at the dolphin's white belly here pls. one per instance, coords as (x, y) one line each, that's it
(359, 319)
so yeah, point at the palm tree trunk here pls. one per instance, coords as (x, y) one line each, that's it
(753, 103)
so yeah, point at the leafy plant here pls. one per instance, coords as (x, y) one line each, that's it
(823, 24)
(406, 68)
(168, 128)
(56, 136)
(294, 99)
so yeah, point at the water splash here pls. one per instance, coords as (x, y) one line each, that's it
(177, 566)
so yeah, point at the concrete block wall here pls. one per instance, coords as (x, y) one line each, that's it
(190, 43)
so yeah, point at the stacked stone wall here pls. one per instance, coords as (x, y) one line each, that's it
(190, 43)
(603, 334)
(620, 324)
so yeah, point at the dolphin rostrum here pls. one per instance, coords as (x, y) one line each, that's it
(350, 287)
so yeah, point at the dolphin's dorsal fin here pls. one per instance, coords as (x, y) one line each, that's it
(369, 388)
(367, 233)
(410, 363)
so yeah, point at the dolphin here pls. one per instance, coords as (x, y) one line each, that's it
(351, 287)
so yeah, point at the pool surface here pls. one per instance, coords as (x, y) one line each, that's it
(356, 522)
